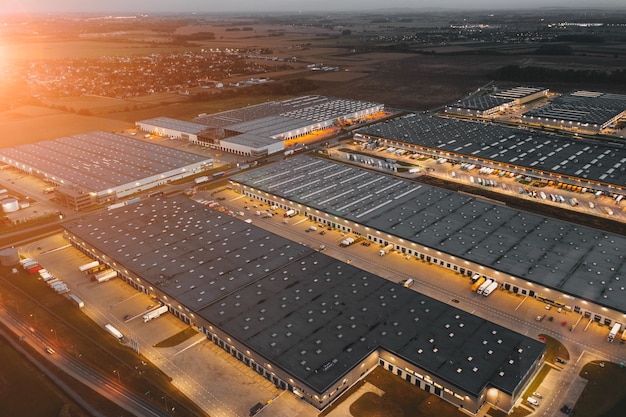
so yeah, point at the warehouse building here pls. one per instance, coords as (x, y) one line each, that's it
(584, 110)
(307, 322)
(266, 128)
(171, 128)
(590, 164)
(495, 102)
(101, 167)
(563, 264)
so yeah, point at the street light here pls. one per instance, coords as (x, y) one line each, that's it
(165, 399)
(33, 315)
(56, 338)
(119, 379)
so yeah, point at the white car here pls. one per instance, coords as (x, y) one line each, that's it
(532, 401)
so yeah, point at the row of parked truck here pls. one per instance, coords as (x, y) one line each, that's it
(56, 284)
(483, 285)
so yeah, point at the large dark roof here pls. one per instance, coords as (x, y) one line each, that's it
(584, 107)
(307, 313)
(524, 148)
(576, 260)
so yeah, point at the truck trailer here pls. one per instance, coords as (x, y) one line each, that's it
(480, 281)
(614, 331)
(88, 266)
(200, 180)
(385, 250)
(484, 286)
(116, 333)
(104, 275)
(347, 242)
(490, 288)
(77, 301)
(153, 314)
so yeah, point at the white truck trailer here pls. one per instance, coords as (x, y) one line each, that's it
(88, 266)
(614, 331)
(484, 286)
(153, 314)
(347, 242)
(105, 275)
(385, 250)
(490, 288)
(79, 303)
(116, 333)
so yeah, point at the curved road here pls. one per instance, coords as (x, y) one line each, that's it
(103, 385)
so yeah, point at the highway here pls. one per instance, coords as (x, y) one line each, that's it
(71, 364)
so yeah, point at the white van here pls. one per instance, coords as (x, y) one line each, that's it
(408, 282)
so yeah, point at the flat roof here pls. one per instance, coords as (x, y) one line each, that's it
(518, 92)
(259, 111)
(305, 312)
(585, 107)
(175, 124)
(561, 155)
(265, 123)
(576, 260)
(481, 103)
(97, 161)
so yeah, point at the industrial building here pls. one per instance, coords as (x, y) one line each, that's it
(309, 323)
(591, 164)
(564, 264)
(263, 129)
(484, 105)
(171, 128)
(584, 110)
(101, 167)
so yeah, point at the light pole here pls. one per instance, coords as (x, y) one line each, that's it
(56, 338)
(33, 315)
(119, 379)
(165, 399)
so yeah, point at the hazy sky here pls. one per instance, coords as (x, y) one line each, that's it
(152, 6)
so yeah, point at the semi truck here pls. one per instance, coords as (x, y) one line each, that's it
(490, 288)
(290, 213)
(88, 266)
(200, 180)
(347, 242)
(153, 314)
(480, 281)
(116, 333)
(614, 331)
(484, 286)
(77, 301)
(385, 250)
(26, 260)
(31, 269)
(104, 275)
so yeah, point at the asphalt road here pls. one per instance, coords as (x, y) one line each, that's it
(71, 365)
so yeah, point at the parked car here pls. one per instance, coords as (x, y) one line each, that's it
(537, 395)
